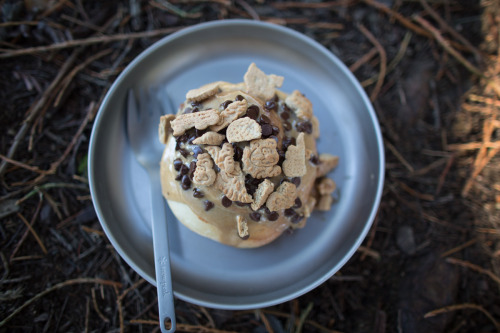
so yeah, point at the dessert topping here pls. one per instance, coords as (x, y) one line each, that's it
(223, 157)
(204, 173)
(326, 186)
(283, 197)
(260, 159)
(242, 227)
(262, 193)
(326, 163)
(199, 120)
(164, 127)
(210, 138)
(233, 184)
(232, 112)
(300, 105)
(324, 203)
(295, 159)
(203, 92)
(243, 129)
(261, 85)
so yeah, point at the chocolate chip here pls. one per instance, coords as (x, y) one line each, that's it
(178, 177)
(287, 126)
(244, 237)
(191, 138)
(264, 119)
(267, 130)
(255, 216)
(185, 182)
(195, 104)
(266, 210)
(285, 108)
(282, 155)
(253, 112)
(177, 145)
(276, 130)
(196, 151)
(197, 193)
(225, 104)
(296, 218)
(199, 133)
(288, 141)
(273, 216)
(271, 105)
(285, 115)
(184, 170)
(274, 137)
(241, 204)
(177, 164)
(183, 138)
(192, 168)
(208, 205)
(226, 202)
(314, 159)
(238, 153)
(184, 152)
(239, 98)
(296, 181)
(290, 212)
(304, 126)
(196, 110)
(298, 203)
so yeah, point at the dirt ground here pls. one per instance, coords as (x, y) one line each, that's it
(431, 262)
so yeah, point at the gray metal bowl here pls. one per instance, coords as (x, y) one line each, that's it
(212, 274)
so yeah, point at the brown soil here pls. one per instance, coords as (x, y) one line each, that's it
(431, 262)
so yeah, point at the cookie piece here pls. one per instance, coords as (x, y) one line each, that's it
(243, 129)
(232, 112)
(259, 84)
(210, 138)
(326, 186)
(260, 159)
(295, 158)
(262, 193)
(223, 157)
(202, 93)
(233, 185)
(242, 227)
(301, 105)
(327, 163)
(204, 173)
(164, 127)
(199, 120)
(283, 198)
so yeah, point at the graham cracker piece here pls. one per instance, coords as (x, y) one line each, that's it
(242, 227)
(326, 186)
(309, 206)
(204, 173)
(262, 193)
(233, 111)
(259, 84)
(325, 203)
(315, 127)
(223, 157)
(260, 159)
(327, 162)
(295, 158)
(233, 185)
(204, 92)
(164, 127)
(283, 198)
(243, 129)
(300, 105)
(210, 138)
(199, 120)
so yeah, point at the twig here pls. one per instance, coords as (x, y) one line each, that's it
(33, 232)
(89, 41)
(303, 317)
(414, 193)
(399, 156)
(459, 248)
(400, 18)
(96, 307)
(462, 307)
(447, 47)
(253, 14)
(452, 31)
(22, 165)
(56, 287)
(266, 323)
(25, 235)
(364, 59)
(383, 61)
(472, 145)
(38, 106)
(474, 267)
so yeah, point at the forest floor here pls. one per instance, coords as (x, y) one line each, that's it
(431, 261)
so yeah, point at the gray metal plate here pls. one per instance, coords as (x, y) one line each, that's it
(212, 274)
